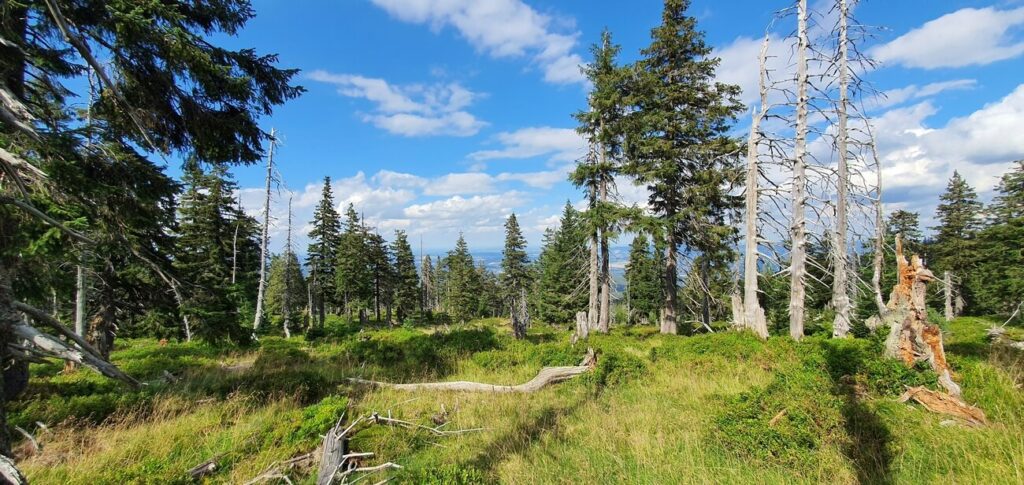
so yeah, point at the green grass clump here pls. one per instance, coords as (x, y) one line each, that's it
(787, 422)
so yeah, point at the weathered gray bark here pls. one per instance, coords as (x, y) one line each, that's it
(669, 282)
(547, 375)
(752, 313)
(286, 305)
(876, 270)
(265, 237)
(798, 237)
(840, 280)
(947, 292)
(80, 297)
(595, 283)
(604, 320)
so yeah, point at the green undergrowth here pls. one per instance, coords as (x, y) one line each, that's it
(711, 408)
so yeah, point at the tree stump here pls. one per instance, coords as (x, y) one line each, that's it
(911, 338)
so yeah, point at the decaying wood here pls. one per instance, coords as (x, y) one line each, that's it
(941, 403)
(582, 327)
(911, 338)
(264, 237)
(205, 468)
(547, 375)
(798, 222)
(9, 472)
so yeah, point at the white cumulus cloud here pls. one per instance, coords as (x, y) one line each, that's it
(969, 36)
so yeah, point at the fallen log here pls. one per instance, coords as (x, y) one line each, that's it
(546, 376)
(941, 403)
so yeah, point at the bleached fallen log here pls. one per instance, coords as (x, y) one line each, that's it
(546, 376)
(53, 347)
(9, 473)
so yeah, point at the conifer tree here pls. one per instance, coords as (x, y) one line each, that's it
(561, 270)
(378, 258)
(322, 255)
(353, 277)
(464, 286)
(954, 248)
(602, 124)
(427, 288)
(643, 285)
(407, 282)
(515, 276)
(999, 282)
(204, 253)
(286, 290)
(678, 143)
(907, 225)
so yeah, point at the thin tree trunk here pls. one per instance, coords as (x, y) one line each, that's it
(668, 306)
(753, 314)
(80, 298)
(594, 313)
(798, 237)
(876, 272)
(287, 303)
(604, 320)
(840, 283)
(705, 301)
(234, 242)
(947, 291)
(265, 238)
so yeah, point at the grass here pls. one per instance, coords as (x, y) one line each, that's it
(715, 408)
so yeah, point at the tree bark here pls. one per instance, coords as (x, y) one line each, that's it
(80, 298)
(753, 314)
(669, 277)
(264, 238)
(876, 273)
(286, 305)
(604, 320)
(798, 237)
(840, 291)
(947, 291)
(911, 338)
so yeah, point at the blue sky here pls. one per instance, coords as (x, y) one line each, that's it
(441, 116)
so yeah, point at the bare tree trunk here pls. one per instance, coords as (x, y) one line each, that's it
(753, 314)
(840, 292)
(947, 291)
(234, 242)
(798, 237)
(603, 324)
(594, 313)
(668, 306)
(80, 298)
(265, 238)
(876, 273)
(286, 305)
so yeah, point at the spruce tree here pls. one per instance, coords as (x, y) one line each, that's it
(643, 283)
(678, 143)
(285, 280)
(407, 281)
(322, 255)
(999, 282)
(561, 270)
(204, 253)
(380, 269)
(354, 282)
(907, 225)
(428, 295)
(515, 276)
(602, 124)
(954, 248)
(464, 286)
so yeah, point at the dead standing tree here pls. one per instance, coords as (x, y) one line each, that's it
(911, 338)
(265, 237)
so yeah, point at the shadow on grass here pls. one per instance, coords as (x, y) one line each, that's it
(522, 436)
(869, 437)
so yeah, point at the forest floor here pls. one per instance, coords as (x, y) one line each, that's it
(713, 408)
